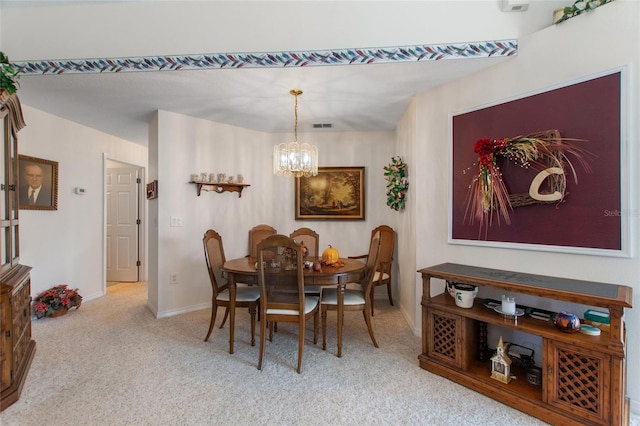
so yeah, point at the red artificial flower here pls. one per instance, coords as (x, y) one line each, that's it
(486, 148)
(55, 299)
(40, 307)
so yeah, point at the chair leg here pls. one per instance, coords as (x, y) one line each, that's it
(315, 326)
(226, 315)
(271, 331)
(372, 297)
(252, 313)
(214, 311)
(367, 319)
(324, 327)
(301, 327)
(263, 334)
(389, 292)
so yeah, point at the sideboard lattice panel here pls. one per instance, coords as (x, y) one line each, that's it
(579, 381)
(444, 336)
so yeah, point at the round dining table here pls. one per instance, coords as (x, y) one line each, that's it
(243, 270)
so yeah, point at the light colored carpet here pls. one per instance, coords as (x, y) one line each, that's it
(112, 363)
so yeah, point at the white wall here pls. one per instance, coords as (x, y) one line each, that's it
(405, 256)
(112, 29)
(586, 45)
(186, 145)
(66, 246)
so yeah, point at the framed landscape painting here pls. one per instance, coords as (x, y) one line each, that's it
(336, 193)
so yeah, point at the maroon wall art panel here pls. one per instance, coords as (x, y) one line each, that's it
(590, 214)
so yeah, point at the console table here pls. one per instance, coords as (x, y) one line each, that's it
(583, 376)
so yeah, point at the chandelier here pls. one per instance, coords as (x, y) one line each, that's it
(294, 159)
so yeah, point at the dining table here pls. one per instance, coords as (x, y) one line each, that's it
(243, 270)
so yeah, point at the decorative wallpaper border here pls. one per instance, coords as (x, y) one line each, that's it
(434, 52)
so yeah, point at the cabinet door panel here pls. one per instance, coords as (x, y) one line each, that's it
(444, 338)
(9, 248)
(579, 381)
(6, 347)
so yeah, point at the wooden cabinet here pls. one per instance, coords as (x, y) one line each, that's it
(584, 377)
(16, 345)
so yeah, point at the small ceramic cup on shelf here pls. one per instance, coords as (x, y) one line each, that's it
(240, 179)
(194, 177)
(204, 177)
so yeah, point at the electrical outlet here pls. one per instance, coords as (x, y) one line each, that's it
(176, 221)
(173, 279)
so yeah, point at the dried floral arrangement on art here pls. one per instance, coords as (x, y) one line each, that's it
(547, 152)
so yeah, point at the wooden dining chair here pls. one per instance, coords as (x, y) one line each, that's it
(246, 297)
(310, 238)
(355, 299)
(282, 296)
(385, 260)
(257, 234)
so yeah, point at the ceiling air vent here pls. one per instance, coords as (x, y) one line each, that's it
(322, 125)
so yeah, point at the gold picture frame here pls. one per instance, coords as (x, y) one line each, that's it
(336, 193)
(43, 176)
(152, 190)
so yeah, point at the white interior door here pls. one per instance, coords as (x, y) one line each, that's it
(122, 224)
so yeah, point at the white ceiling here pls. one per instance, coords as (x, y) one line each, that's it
(350, 97)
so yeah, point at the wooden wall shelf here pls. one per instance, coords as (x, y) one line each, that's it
(220, 187)
(583, 377)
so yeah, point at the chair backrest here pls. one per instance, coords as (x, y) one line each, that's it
(310, 238)
(257, 234)
(387, 244)
(280, 274)
(214, 255)
(373, 260)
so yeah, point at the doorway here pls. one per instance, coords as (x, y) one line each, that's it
(123, 222)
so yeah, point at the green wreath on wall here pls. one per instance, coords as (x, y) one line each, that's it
(397, 183)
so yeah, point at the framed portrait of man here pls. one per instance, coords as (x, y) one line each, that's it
(37, 183)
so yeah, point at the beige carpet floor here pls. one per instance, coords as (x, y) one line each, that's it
(112, 363)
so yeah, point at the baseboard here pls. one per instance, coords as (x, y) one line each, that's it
(634, 407)
(411, 322)
(185, 310)
(153, 309)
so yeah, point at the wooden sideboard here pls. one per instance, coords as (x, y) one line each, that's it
(583, 376)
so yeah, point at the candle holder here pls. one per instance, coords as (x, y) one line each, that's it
(508, 305)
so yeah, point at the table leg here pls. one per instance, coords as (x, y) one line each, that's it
(341, 286)
(232, 309)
